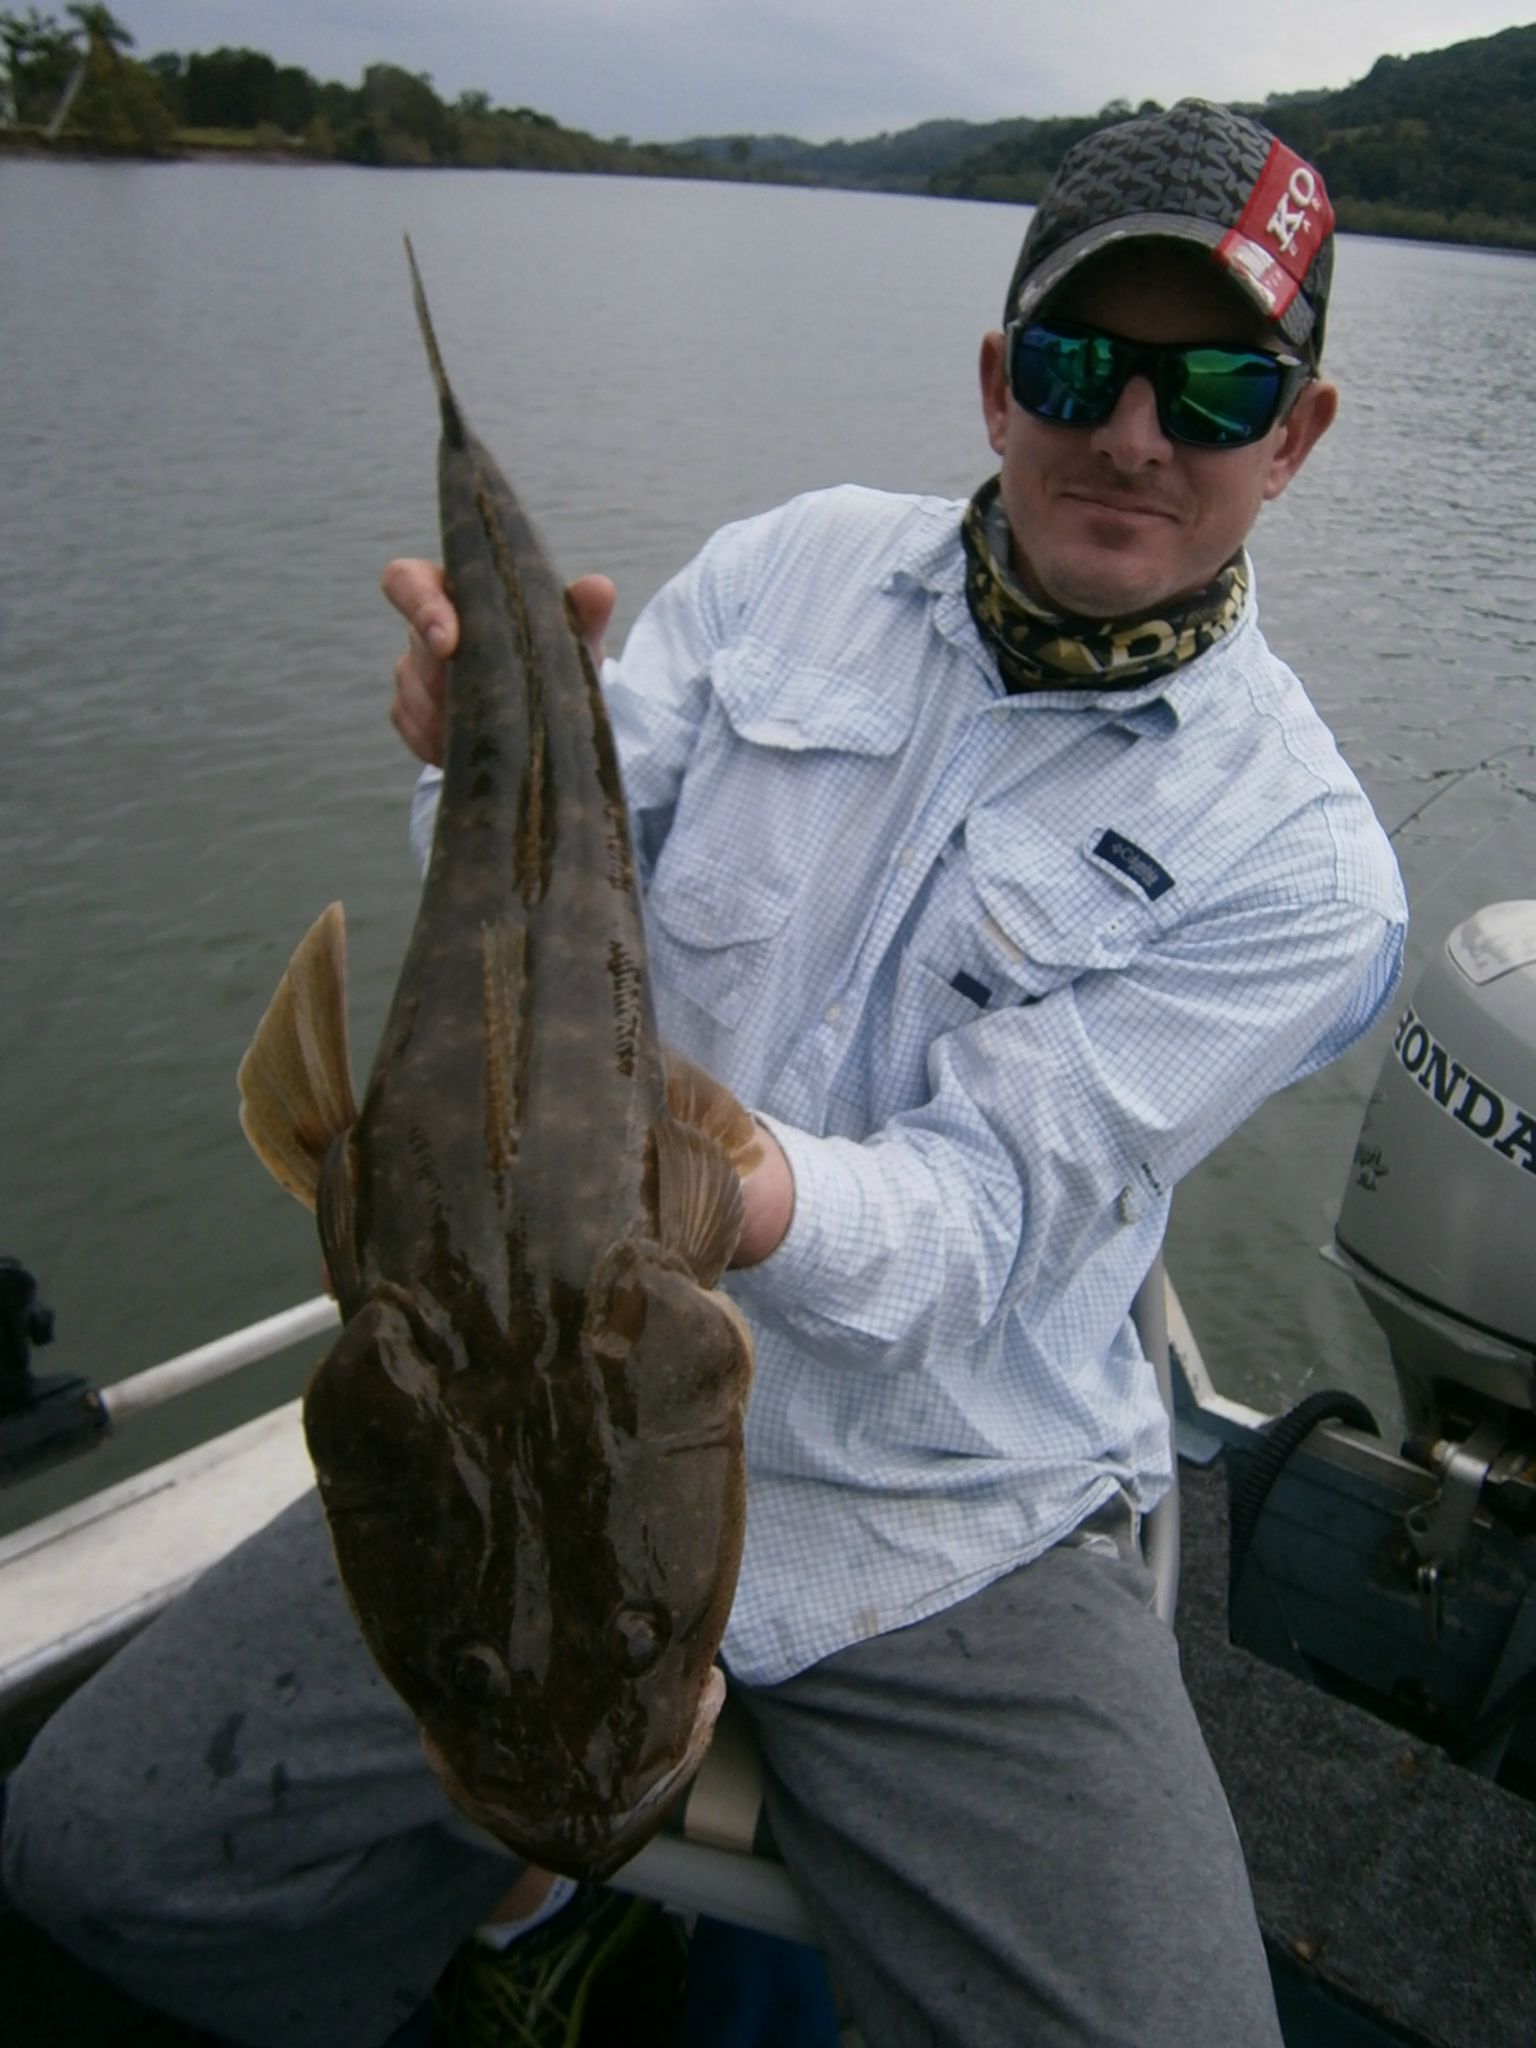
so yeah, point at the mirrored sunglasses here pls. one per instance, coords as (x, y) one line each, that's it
(1207, 396)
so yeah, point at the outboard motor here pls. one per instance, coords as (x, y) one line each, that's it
(1438, 1232)
(1438, 1225)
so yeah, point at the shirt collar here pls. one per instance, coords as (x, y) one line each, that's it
(929, 555)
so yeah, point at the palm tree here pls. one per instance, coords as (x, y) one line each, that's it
(101, 27)
(105, 40)
(34, 48)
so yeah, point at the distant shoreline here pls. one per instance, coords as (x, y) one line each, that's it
(1355, 217)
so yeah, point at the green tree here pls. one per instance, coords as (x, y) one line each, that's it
(227, 88)
(403, 120)
(40, 58)
(109, 97)
(100, 26)
(295, 99)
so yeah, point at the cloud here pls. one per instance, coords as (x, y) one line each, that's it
(820, 68)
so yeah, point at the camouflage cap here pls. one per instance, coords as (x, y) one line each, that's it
(1199, 173)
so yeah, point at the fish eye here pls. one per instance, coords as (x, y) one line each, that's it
(478, 1673)
(640, 1635)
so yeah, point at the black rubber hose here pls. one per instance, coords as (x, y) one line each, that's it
(1281, 1441)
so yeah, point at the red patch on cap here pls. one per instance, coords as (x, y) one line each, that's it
(1279, 232)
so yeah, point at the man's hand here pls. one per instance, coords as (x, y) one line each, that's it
(768, 1202)
(419, 592)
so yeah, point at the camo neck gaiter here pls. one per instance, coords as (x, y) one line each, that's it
(1036, 649)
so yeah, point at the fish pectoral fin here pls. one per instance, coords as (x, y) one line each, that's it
(699, 1198)
(697, 1098)
(295, 1081)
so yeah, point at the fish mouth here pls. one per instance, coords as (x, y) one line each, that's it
(650, 1809)
(588, 1844)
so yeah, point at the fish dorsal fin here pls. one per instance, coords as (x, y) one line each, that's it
(453, 419)
(698, 1199)
(295, 1081)
(697, 1098)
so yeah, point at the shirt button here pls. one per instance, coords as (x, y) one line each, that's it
(832, 1013)
(906, 856)
(1129, 1206)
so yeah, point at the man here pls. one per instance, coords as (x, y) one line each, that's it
(996, 862)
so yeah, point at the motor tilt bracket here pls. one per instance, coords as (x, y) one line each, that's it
(1441, 1530)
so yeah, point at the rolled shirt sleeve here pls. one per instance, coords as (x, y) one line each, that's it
(1051, 1128)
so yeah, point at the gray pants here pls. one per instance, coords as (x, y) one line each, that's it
(1004, 1820)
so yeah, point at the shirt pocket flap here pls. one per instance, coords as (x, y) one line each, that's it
(772, 702)
(1052, 902)
(706, 909)
(710, 943)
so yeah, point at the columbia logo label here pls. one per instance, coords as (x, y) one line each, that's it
(1124, 854)
(967, 985)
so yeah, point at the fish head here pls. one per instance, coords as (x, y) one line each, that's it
(545, 1579)
(597, 1821)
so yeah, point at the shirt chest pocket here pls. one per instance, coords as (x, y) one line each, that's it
(1024, 908)
(710, 934)
(784, 769)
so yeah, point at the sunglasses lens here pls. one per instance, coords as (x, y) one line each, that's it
(1220, 398)
(1072, 379)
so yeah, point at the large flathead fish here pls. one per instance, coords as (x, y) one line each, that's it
(528, 1433)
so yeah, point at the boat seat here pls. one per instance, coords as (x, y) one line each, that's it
(715, 1854)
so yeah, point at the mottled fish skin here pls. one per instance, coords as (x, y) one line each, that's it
(528, 1435)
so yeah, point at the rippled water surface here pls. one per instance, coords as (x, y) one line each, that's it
(217, 426)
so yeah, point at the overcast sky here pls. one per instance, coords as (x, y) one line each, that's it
(660, 70)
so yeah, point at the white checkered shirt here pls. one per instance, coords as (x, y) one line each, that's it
(997, 970)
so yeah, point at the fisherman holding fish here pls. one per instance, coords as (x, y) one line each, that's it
(999, 868)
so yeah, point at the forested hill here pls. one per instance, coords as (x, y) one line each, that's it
(1449, 133)
(1441, 146)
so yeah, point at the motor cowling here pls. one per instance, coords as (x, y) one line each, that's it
(1438, 1224)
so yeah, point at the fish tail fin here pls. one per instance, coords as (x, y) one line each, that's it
(295, 1081)
(453, 419)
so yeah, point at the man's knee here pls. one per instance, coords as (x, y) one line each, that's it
(65, 1863)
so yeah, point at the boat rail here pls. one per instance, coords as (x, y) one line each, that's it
(205, 1363)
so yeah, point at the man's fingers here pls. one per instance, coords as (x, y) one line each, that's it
(592, 601)
(416, 709)
(418, 591)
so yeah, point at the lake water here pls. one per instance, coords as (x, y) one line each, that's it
(216, 426)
